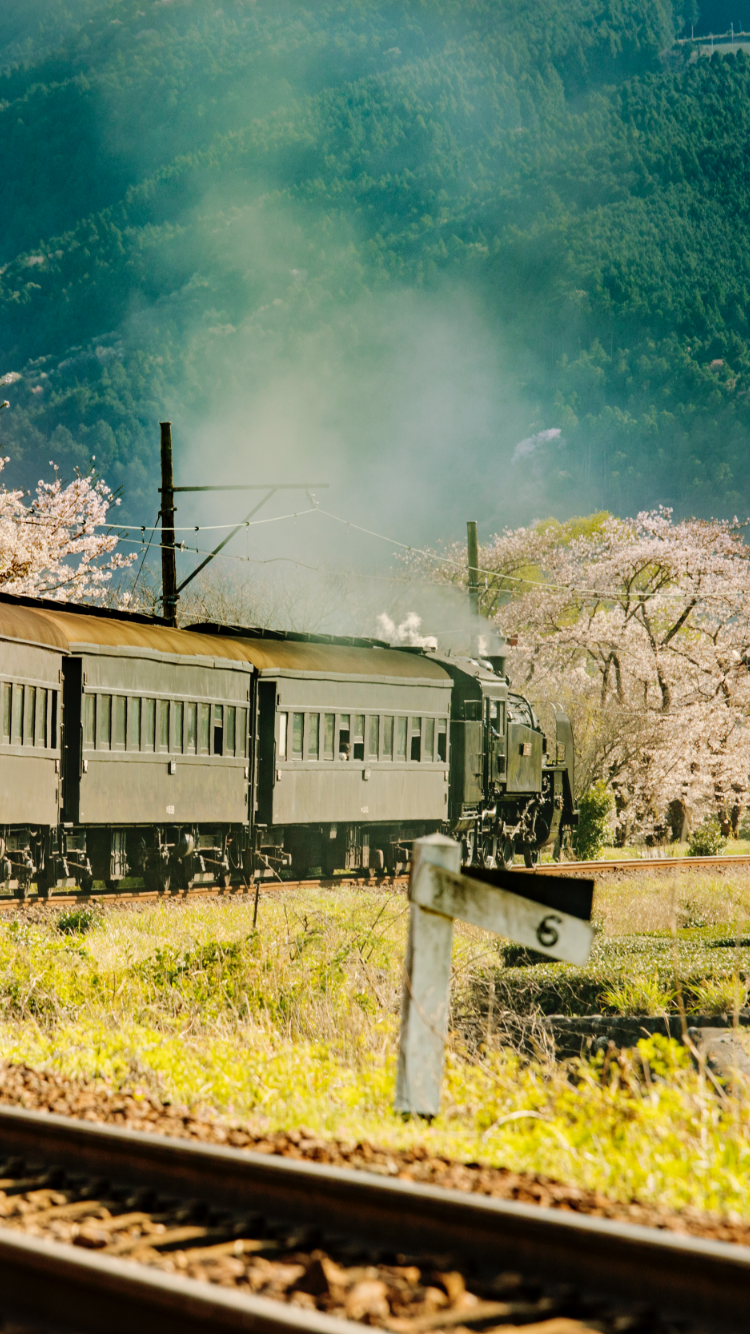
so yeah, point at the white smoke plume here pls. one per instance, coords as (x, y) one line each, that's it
(532, 442)
(407, 633)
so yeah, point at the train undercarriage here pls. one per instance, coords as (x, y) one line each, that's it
(170, 857)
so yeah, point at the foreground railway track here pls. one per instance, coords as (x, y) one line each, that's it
(595, 868)
(108, 1229)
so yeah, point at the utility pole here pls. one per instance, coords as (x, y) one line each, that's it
(473, 547)
(170, 588)
(168, 557)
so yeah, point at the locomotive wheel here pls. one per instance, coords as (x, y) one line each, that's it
(224, 879)
(22, 891)
(112, 884)
(507, 850)
(468, 847)
(86, 884)
(489, 851)
(531, 857)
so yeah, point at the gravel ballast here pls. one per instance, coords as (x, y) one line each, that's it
(40, 1090)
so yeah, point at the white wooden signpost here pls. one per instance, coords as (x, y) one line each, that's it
(439, 894)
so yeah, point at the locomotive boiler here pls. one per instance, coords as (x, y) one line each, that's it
(215, 753)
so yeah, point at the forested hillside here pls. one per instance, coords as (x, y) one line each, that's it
(203, 202)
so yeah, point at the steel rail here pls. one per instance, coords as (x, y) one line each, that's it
(636, 864)
(640, 864)
(703, 1282)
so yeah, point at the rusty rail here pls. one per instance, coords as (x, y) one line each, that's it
(703, 1283)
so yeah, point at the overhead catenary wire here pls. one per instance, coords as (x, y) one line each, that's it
(548, 585)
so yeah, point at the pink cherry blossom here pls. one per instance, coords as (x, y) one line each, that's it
(50, 545)
(642, 627)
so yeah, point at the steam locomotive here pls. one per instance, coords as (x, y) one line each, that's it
(220, 753)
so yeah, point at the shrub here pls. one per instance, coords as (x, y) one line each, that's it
(594, 810)
(707, 840)
(76, 921)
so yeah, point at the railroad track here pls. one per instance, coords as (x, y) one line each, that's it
(640, 864)
(108, 1229)
(596, 868)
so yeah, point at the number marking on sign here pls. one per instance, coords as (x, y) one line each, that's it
(558, 934)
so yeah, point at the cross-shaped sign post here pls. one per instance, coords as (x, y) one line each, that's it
(542, 912)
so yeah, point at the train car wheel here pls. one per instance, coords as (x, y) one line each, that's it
(531, 857)
(507, 852)
(22, 892)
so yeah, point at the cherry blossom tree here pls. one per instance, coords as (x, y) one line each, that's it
(641, 626)
(51, 544)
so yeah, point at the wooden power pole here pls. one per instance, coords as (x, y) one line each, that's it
(473, 546)
(168, 557)
(170, 589)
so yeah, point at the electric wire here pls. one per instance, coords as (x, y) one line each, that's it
(548, 585)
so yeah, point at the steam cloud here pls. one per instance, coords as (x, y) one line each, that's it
(407, 633)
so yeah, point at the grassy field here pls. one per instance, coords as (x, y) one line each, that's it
(295, 1024)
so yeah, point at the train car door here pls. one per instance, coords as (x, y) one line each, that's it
(266, 750)
(72, 737)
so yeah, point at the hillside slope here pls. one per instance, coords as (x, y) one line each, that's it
(435, 230)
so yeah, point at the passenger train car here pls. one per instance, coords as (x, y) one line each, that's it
(130, 748)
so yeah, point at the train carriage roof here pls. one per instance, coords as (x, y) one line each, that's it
(71, 628)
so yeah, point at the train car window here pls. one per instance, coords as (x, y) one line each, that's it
(178, 710)
(231, 729)
(298, 726)
(313, 736)
(401, 738)
(53, 721)
(6, 712)
(429, 739)
(17, 715)
(387, 739)
(373, 736)
(218, 729)
(442, 739)
(29, 712)
(204, 721)
(473, 710)
(283, 725)
(345, 737)
(415, 750)
(40, 731)
(329, 732)
(191, 727)
(149, 725)
(134, 724)
(104, 710)
(359, 736)
(118, 722)
(242, 732)
(89, 721)
(163, 724)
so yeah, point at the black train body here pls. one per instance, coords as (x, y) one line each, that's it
(213, 754)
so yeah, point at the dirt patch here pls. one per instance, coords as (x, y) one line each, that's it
(36, 1090)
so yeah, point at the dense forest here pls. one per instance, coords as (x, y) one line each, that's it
(200, 201)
